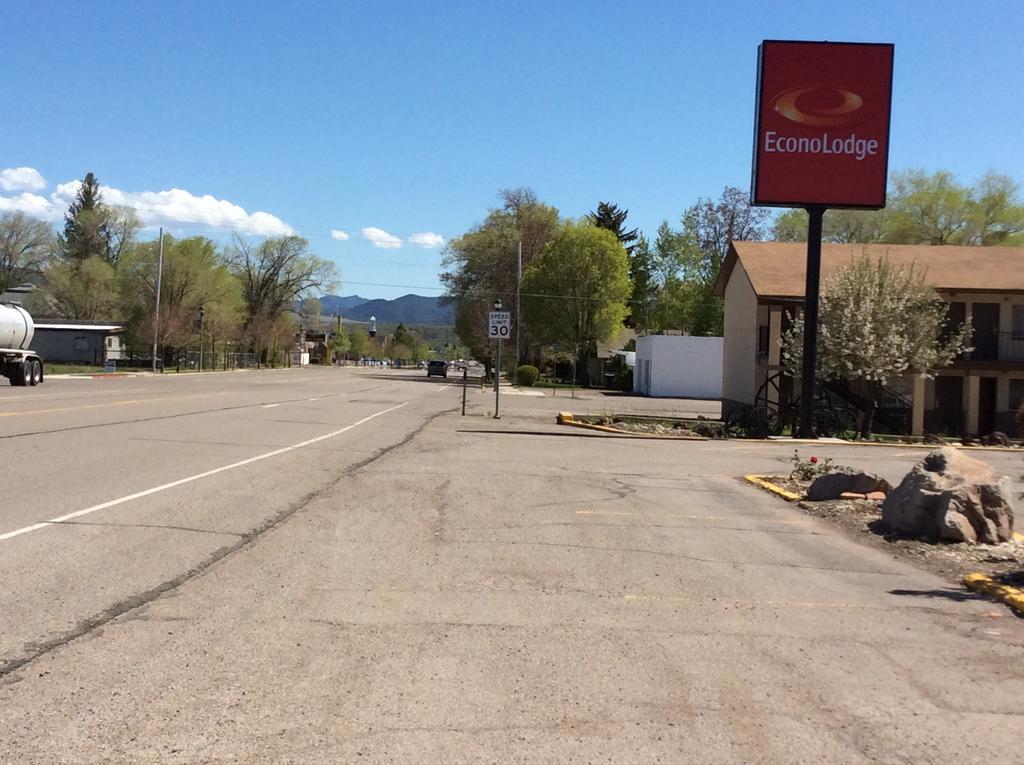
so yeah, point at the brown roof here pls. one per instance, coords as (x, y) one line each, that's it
(777, 269)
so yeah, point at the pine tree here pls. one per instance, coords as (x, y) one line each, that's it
(609, 216)
(84, 222)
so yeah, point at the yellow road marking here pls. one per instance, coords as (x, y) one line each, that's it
(122, 402)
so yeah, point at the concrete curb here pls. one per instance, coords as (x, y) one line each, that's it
(1011, 596)
(566, 418)
(97, 376)
(761, 482)
(825, 444)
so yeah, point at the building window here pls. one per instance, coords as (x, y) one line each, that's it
(762, 340)
(1016, 394)
(1017, 322)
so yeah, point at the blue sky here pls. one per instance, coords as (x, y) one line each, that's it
(407, 117)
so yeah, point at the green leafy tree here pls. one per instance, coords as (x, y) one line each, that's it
(877, 323)
(577, 292)
(710, 225)
(310, 312)
(928, 209)
(25, 246)
(997, 212)
(644, 287)
(924, 208)
(838, 226)
(403, 336)
(481, 265)
(359, 344)
(195, 276)
(85, 291)
(274, 274)
(339, 343)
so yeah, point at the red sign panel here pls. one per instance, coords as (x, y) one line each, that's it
(822, 125)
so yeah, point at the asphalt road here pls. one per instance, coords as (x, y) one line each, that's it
(332, 565)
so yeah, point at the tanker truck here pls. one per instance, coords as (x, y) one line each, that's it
(17, 363)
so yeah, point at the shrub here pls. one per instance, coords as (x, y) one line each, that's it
(808, 470)
(527, 375)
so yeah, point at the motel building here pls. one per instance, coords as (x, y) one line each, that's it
(762, 284)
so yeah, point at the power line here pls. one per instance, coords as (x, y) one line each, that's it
(483, 294)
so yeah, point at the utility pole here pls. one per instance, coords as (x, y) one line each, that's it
(519, 313)
(156, 319)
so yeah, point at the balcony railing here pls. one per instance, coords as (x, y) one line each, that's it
(999, 346)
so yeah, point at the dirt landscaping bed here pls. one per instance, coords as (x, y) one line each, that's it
(862, 521)
(644, 425)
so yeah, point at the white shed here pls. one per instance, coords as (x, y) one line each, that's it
(678, 366)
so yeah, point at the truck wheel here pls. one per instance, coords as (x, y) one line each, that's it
(17, 376)
(39, 370)
(32, 372)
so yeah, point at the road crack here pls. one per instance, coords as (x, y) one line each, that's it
(97, 621)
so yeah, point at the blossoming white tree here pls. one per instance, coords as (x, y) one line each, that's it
(877, 322)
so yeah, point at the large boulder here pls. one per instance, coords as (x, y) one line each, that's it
(845, 480)
(953, 497)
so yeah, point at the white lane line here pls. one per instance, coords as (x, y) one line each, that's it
(315, 398)
(191, 478)
(270, 406)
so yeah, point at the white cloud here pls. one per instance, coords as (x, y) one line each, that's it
(21, 179)
(341, 236)
(427, 239)
(180, 207)
(30, 204)
(174, 207)
(381, 238)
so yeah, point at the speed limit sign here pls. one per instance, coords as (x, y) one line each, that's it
(499, 326)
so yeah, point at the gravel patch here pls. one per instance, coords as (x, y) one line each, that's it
(862, 520)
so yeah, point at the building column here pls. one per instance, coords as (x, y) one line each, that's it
(917, 404)
(774, 351)
(972, 392)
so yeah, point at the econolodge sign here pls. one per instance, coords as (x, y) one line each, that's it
(821, 133)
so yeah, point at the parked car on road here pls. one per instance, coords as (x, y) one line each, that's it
(437, 367)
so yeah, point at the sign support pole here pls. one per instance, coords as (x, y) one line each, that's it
(811, 291)
(465, 373)
(497, 380)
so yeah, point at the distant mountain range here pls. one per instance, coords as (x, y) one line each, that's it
(408, 309)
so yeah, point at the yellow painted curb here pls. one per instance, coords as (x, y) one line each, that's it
(767, 485)
(1011, 596)
(565, 418)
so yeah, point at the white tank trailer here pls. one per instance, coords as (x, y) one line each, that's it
(17, 363)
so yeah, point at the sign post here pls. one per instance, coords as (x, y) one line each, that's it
(498, 327)
(821, 141)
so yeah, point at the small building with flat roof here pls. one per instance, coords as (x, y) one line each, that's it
(78, 342)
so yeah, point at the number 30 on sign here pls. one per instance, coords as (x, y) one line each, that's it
(499, 325)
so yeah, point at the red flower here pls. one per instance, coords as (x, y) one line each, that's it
(814, 460)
